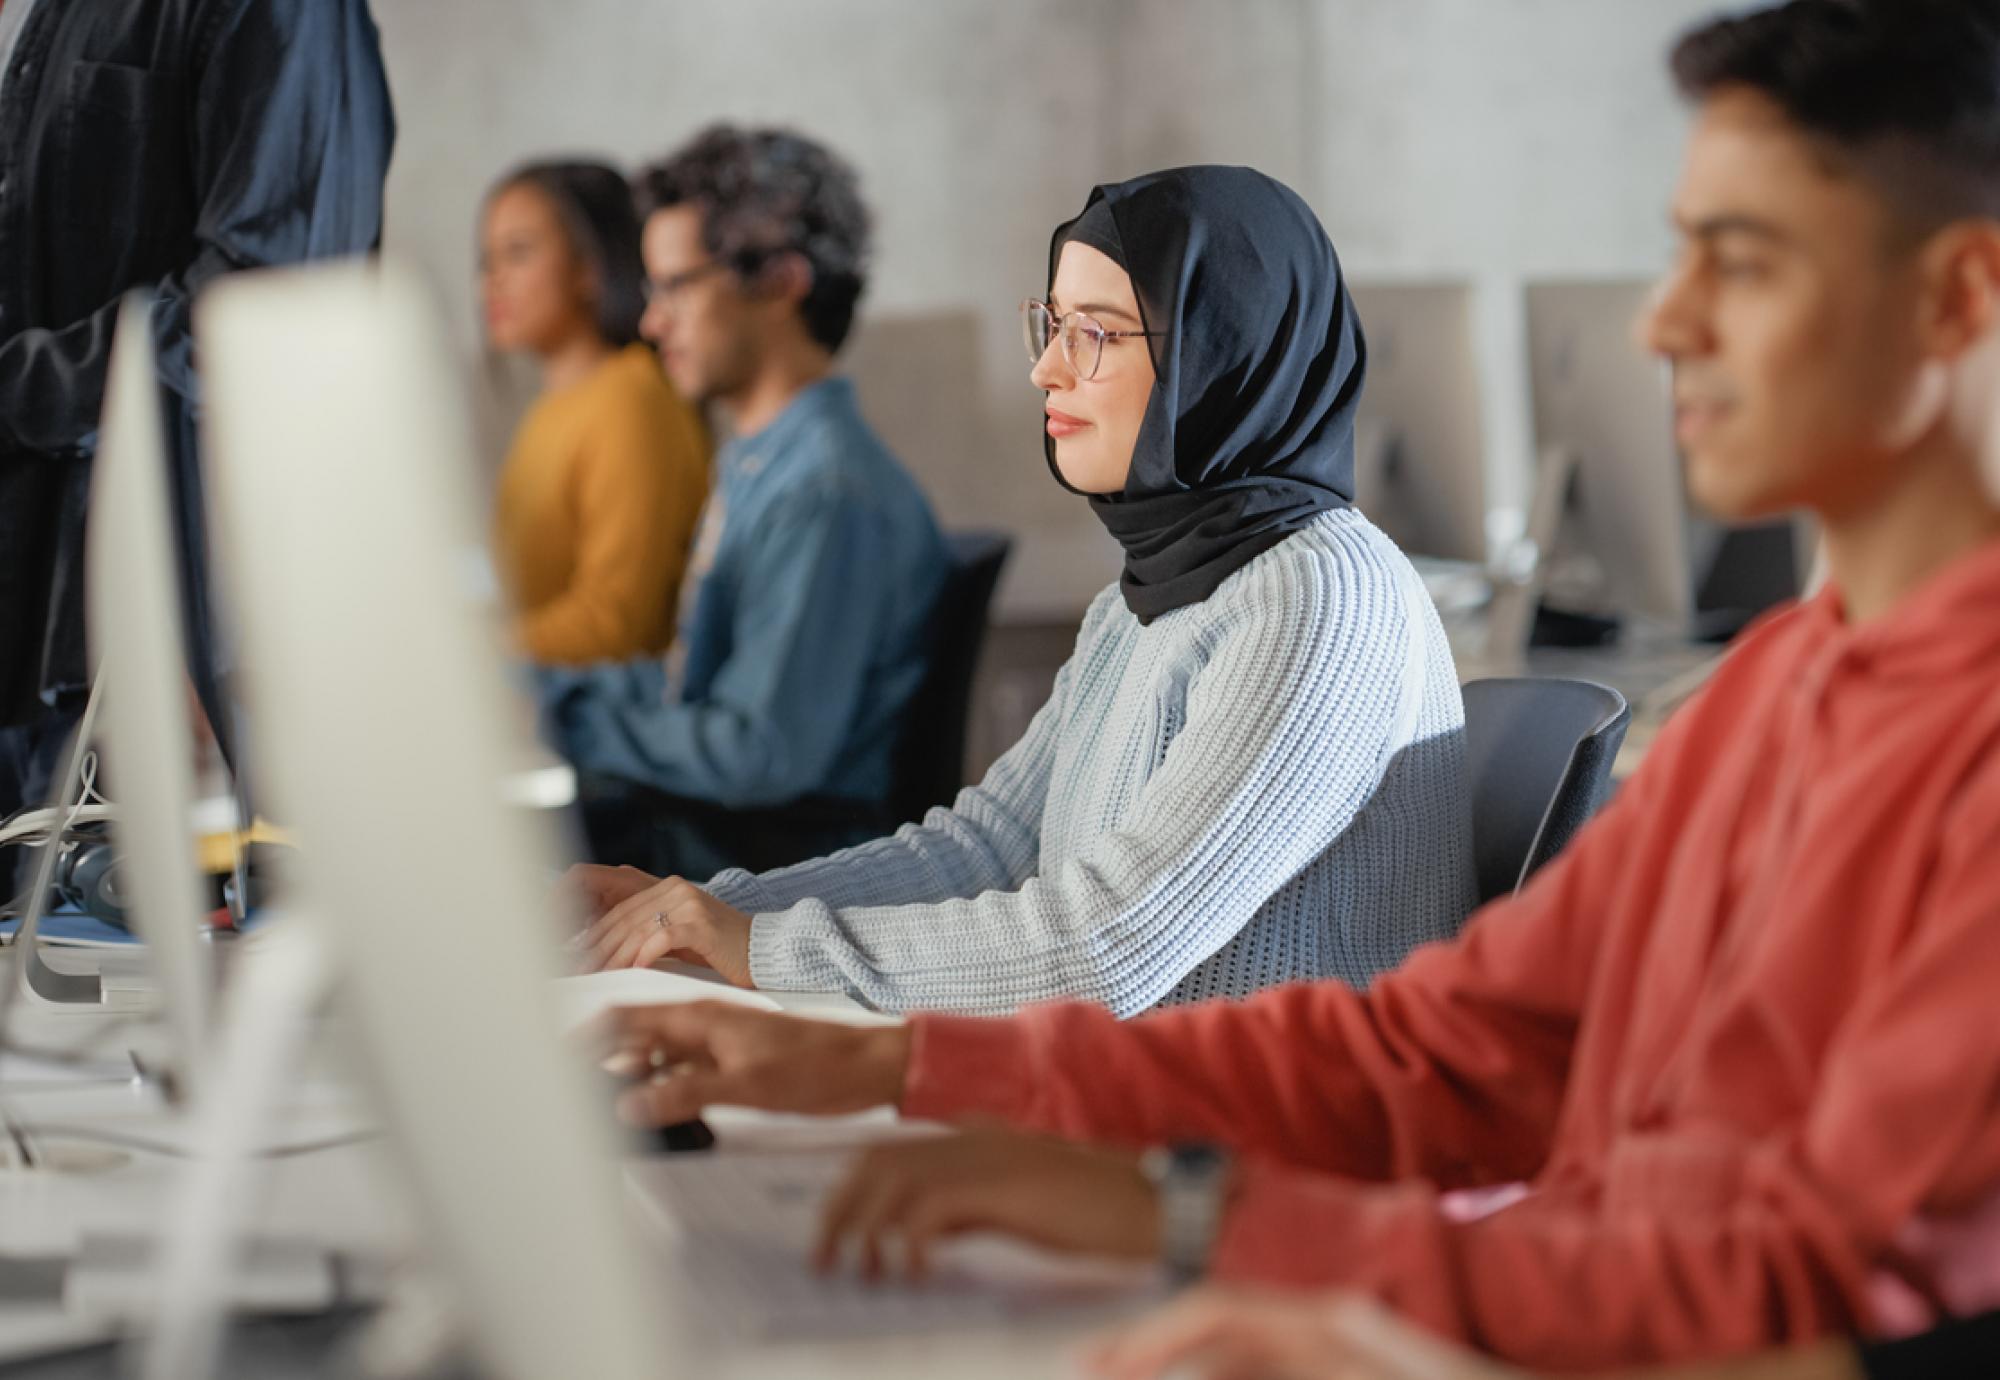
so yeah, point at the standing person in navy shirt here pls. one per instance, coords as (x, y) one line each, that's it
(149, 144)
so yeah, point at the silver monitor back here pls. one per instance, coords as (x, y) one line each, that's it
(133, 589)
(1627, 541)
(343, 466)
(1629, 527)
(1420, 455)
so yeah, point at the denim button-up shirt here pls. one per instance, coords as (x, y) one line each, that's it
(805, 636)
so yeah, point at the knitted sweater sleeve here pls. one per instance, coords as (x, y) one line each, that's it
(1292, 715)
(987, 841)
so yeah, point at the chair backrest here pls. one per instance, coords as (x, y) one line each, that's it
(930, 752)
(1539, 755)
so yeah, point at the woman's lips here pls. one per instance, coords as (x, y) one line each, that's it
(1061, 424)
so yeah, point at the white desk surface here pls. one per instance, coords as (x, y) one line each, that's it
(347, 1198)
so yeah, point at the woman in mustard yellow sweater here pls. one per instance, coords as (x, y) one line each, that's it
(607, 474)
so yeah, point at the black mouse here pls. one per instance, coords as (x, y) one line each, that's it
(678, 1138)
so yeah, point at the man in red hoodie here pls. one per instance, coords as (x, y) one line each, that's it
(1728, 1072)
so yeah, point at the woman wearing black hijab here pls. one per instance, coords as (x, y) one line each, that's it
(1250, 771)
(1247, 429)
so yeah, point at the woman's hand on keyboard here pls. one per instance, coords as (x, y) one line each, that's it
(687, 1058)
(671, 918)
(1053, 1193)
(589, 890)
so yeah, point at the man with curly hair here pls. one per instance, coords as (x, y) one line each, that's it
(804, 613)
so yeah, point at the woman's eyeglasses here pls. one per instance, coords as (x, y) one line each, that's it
(1082, 336)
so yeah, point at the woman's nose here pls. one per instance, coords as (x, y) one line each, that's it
(1052, 371)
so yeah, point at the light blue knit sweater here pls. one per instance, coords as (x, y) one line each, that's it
(1263, 787)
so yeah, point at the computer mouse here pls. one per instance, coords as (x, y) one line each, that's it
(678, 1138)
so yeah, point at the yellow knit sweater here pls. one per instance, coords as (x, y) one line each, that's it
(597, 507)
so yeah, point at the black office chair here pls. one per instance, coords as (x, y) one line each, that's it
(628, 823)
(1538, 756)
(930, 749)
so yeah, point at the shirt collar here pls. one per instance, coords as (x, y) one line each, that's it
(13, 20)
(749, 455)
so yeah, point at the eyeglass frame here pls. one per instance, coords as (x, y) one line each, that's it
(656, 289)
(1056, 331)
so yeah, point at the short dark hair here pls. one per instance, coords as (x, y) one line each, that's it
(594, 204)
(766, 192)
(1908, 88)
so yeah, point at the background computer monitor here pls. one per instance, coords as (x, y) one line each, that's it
(1420, 454)
(1629, 542)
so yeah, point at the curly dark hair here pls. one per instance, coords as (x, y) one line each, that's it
(594, 205)
(1910, 87)
(766, 192)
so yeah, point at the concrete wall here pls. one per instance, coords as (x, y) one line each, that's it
(1487, 140)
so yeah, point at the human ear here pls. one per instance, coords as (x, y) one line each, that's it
(1961, 276)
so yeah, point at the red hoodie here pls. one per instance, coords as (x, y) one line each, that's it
(1742, 1042)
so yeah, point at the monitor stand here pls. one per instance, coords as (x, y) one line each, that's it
(38, 982)
(262, 1044)
(1522, 570)
(124, 980)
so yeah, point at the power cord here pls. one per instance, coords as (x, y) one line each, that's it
(32, 826)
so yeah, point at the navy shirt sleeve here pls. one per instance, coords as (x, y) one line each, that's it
(291, 134)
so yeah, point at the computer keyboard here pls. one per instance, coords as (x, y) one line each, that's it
(744, 1224)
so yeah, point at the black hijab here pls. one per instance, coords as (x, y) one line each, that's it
(1250, 430)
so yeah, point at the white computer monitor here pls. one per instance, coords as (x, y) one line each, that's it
(1420, 453)
(138, 710)
(342, 471)
(1628, 542)
(132, 589)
